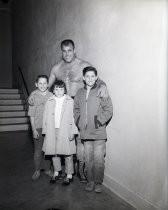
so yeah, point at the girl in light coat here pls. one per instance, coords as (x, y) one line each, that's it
(59, 130)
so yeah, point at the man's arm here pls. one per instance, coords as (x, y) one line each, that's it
(52, 77)
(102, 89)
(53, 73)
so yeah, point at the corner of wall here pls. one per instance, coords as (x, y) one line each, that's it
(130, 197)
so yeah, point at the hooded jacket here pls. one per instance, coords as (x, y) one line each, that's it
(92, 114)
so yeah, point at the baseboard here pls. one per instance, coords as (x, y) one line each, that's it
(130, 197)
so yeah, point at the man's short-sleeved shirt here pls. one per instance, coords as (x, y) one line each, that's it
(37, 109)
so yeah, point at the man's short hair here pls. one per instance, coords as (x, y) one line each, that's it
(89, 68)
(41, 76)
(67, 42)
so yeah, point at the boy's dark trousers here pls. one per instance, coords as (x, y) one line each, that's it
(40, 161)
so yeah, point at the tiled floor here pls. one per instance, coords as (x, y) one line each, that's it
(19, 192)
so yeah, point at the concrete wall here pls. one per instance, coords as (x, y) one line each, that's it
(127, 41)
(5, 46)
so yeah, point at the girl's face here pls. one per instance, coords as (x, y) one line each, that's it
(59, 92)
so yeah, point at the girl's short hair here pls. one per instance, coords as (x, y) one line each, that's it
(41, 76)
(89, 68)
(60, 84)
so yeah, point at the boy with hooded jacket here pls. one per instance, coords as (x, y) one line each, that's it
(92, 114)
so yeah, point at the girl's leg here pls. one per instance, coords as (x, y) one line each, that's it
(57, 167)
(56, 164)
(69, 169)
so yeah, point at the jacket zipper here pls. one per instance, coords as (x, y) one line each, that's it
(86, 116)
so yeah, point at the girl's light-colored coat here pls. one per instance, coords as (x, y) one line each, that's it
(60, 144)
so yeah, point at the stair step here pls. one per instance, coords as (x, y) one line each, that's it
(9, 90)
(15, 120)
(14, 127)
(10, 101)
(13, 114)
(11, 107)
(10, 96)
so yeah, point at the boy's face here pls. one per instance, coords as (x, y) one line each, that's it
(42, 84)
(59, 92)
(90, 78)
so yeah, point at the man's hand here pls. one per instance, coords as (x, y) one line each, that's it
(103, 92)
(35, 134)
(72, 137)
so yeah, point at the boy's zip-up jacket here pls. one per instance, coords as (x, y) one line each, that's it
(92, 114)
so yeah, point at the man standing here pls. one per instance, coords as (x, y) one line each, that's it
(70, 70)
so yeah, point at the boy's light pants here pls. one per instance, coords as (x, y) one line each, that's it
(94, 159)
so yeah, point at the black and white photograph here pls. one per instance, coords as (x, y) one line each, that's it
(83, 104)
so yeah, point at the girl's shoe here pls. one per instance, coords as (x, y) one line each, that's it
(67, 181)
(36, 175)
(53, 179)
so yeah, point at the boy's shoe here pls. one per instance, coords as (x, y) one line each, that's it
(67, 181)
(89, 186)
(53, 179)
(36, 175)
(49, 173)
(98, 188)
(82, 179)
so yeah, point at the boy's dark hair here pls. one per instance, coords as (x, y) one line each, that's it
(89, 68)
(67, 42)
(60, 84)
(41, 76)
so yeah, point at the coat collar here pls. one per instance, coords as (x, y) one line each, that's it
(66, 98)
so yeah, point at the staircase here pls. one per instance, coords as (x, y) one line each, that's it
(13, 113)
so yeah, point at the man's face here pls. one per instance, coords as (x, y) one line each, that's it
(59, 92)
(68, 53)
(90, 78)
(42, 84)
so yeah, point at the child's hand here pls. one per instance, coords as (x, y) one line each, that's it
(35, 134)
(31, 101)
(72, 137)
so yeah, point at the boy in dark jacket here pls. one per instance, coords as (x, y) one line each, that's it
(91, 116)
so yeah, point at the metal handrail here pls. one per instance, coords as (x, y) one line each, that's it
(23, 79)
(21, 84)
